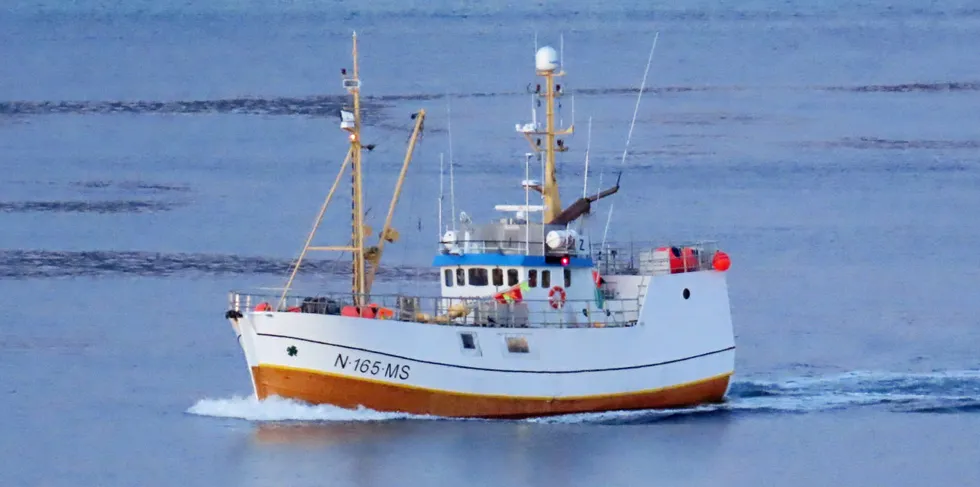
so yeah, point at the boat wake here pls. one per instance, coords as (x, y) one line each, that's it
(937, 392)
(279, 409)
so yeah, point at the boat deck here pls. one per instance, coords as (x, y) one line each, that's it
(481, 311)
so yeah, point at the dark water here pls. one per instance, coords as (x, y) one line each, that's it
(156, 155)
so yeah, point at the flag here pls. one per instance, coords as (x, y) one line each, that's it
(513, 295)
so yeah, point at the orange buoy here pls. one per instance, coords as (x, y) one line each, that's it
(721, 262)
(294, 309)
(350, 311)
(263, 307)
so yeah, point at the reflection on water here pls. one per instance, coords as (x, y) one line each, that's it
(319, 434)
(475, 452)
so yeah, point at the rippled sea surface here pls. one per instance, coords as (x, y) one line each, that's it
(156, 155)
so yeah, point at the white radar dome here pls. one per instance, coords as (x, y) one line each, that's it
(561, 239)
(546, 59)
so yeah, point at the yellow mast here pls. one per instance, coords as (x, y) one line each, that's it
(389, 234)
(357, 202)
(351, 122)
(546, 66)
(552, 200)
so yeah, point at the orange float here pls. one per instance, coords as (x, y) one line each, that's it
(721, 262)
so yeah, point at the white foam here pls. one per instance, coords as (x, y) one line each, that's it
(280, 409)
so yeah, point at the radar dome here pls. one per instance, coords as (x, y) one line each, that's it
(546, 59)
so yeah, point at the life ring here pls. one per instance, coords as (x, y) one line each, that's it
(556, 303)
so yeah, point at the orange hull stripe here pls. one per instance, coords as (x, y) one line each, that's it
(348, 392)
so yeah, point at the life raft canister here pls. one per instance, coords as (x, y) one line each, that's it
(560, 300)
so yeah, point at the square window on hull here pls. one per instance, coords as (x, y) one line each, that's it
(517, 345)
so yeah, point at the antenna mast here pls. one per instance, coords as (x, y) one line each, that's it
(547, 65)
(452, 179)
(440, 195)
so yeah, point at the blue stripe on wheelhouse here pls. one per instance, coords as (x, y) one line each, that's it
(505, 260)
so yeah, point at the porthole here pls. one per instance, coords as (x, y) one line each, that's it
(687, 293)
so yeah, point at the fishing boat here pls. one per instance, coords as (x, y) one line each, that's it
(531, 317)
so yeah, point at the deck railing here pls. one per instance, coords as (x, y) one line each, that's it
(452, 311)
(617, 258)
(503, 247)
(641, 258)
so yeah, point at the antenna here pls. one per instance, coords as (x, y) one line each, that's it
(452, 181)
(534, 113)
(439, 230)
(638, 97)
(588, 146)
(573, 110)
(602, 248)
(527, 202)
(561, 50)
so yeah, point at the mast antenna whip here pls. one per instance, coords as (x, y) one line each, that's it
(452, 181)
(636, 109)
(441, 192)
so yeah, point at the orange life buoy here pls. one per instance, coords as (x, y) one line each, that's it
(556, 303)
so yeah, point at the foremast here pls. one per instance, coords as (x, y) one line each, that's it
(353, 85)
(350, 120)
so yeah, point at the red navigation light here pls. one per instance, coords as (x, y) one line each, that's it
(564, 260)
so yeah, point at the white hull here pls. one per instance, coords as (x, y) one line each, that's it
(681, 352)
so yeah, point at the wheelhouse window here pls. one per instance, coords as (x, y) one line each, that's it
(532, 278)
(449, 277)
(512, 277)
(545, 278)
(478, 276)
(460, 276)
(498, 277)
(568, 277)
